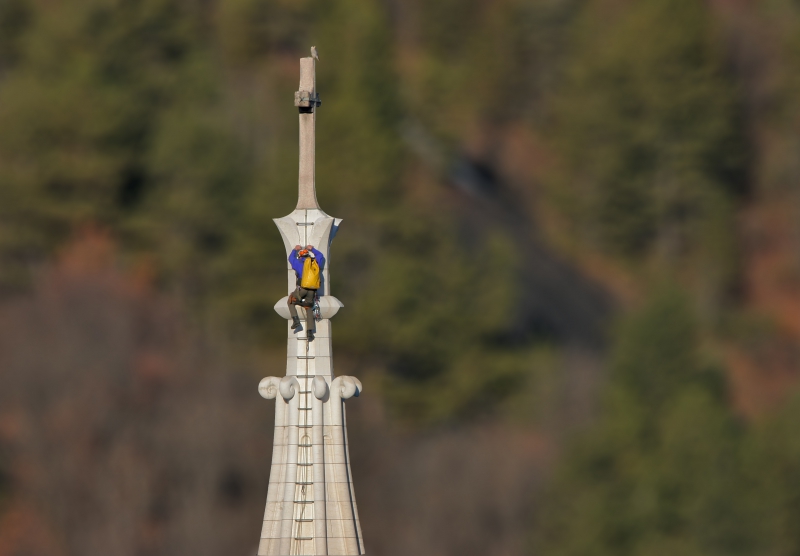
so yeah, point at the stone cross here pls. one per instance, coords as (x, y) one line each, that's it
(311, 507)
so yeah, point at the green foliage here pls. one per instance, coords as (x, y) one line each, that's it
(661, 470)
(15, 16)
(436, 315)
(250, 29)
(492, 63)
(89, 119)
(648, 124)
(656, 353)
(668, 468)
(773, 467)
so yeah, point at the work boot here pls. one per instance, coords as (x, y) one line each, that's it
(295, 323)
(310, 334)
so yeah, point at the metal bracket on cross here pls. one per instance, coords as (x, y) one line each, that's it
(306, 99)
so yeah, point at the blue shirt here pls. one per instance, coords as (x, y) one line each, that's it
(297, 263)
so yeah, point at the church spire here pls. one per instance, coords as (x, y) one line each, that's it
(311, 507)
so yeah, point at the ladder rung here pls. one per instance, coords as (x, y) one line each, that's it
(304, 483)
(305, 464)
(303, 501)
(303, 376)
(305, 426)
(304, 445)
(304, 538)
(304, 408)
(304, 520)
(305, 391)
(305, 223)
(306, 357)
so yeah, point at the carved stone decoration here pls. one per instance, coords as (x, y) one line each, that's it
(311, 506)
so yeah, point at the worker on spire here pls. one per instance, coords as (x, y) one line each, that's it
(307, 265)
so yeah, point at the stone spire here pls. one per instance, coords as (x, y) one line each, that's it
(311, 507)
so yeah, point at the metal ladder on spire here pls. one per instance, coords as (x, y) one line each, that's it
(303, 511)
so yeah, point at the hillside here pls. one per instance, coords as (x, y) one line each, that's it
(571, 248)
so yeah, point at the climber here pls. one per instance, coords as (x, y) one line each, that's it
(307, 265)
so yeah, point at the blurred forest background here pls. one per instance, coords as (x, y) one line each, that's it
(570, 264)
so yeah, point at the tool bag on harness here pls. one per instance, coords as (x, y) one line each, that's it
(310, 279)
